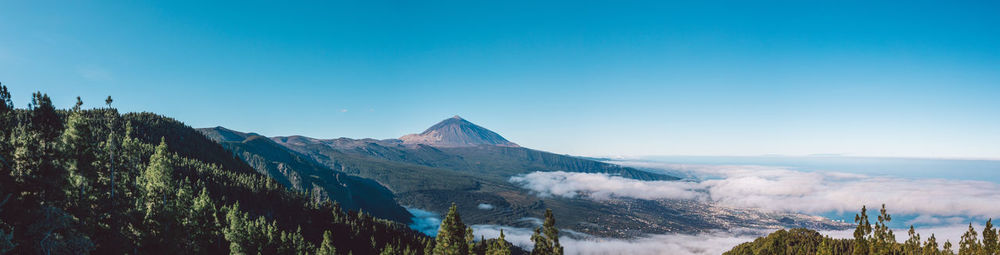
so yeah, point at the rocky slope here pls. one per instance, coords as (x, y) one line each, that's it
(456, 132)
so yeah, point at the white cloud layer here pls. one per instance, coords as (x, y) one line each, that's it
(713, 243)
(781, 189)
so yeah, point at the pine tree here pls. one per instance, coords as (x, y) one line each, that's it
(160, 219)
(931, 246)
(990, 245)
(158, 178)
(390, 250)
(470, 240)
(44, 118)
(7, 123)
(451, 237)
(499, 246)
(824, 247)
(969, 245)
(912, 245)
(947, 248)
(546, 238)
(429, 247)
(861, 232)
(327, 248)
(203, 224)
(78, 146)
(884, 239)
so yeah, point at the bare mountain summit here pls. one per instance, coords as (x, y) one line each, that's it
(457, 132)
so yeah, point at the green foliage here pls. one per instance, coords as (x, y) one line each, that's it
(883, 240)
(93, 181)
(451, 237)
(793, 241)
(499, 247)
(969, 245)
(912, 245)
(878, 241)
(931, 246)
(326, 247)
(861, 232)
(990, 242)
(546, 238)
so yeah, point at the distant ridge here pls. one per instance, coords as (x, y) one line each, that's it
(457, 132)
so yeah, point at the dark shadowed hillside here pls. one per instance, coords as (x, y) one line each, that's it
(303, 174)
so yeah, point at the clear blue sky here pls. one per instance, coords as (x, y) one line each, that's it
(588, 78)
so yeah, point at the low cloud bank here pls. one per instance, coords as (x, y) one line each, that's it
(425, 221)
(781, 189)
(713, 243)
(603, 186)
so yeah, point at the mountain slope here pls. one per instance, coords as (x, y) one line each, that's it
(456, 132)
(303, 174)
(94, 181)
(457, 161)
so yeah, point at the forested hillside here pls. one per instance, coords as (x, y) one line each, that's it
(82, 181)
(871, 239)
(305, 175)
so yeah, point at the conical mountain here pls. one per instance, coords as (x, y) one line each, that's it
(457, 132)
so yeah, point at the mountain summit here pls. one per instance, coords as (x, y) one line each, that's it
(457, 132)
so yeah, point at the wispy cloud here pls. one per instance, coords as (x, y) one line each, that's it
(780, 189)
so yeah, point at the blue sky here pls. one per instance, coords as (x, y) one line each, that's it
(865, 78)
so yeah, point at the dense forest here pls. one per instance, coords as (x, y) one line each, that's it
(81, 181)
(869, 239)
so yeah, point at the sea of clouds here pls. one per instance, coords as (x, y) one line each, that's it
(712, 243)
(941, 206)
(782, 189)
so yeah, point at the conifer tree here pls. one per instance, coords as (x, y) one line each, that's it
(912, 245)
(44, 118)
(824, 247)
(470, 240)
(429, 247)
(969, 245)
(546, 238)
(158, 177)
(160, 218)
(78, 147)
(947, 248)
(327, 248)
(884, 239)
(7, 122)
(990, 245)
(861, 232)
(931, 246)
(203, 224)
(451, 237)
(499, 246)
